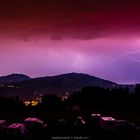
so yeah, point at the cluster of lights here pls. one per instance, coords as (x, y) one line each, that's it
(65, 97)
(32, 103)
(9, 86)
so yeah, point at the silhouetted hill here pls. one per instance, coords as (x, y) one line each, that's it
(12, 78)
(63, 83)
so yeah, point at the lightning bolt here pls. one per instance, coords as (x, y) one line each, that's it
(127, 55)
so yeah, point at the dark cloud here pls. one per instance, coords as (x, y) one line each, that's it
(57, 19)
(56, 37)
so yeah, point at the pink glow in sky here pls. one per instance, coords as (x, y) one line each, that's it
(100, 38)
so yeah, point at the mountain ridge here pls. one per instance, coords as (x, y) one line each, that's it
(13, 78)
(59, 84)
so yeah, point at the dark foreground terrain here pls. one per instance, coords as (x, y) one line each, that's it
(92, 113)
(91, 127)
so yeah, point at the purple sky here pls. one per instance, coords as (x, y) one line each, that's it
(49, 37)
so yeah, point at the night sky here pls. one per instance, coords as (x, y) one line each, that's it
(50, 37)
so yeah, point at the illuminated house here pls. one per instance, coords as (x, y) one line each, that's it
(33, 124)
(16, 129)
(95, 120)
(95, 115)
(3, 124)
(107, 122)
